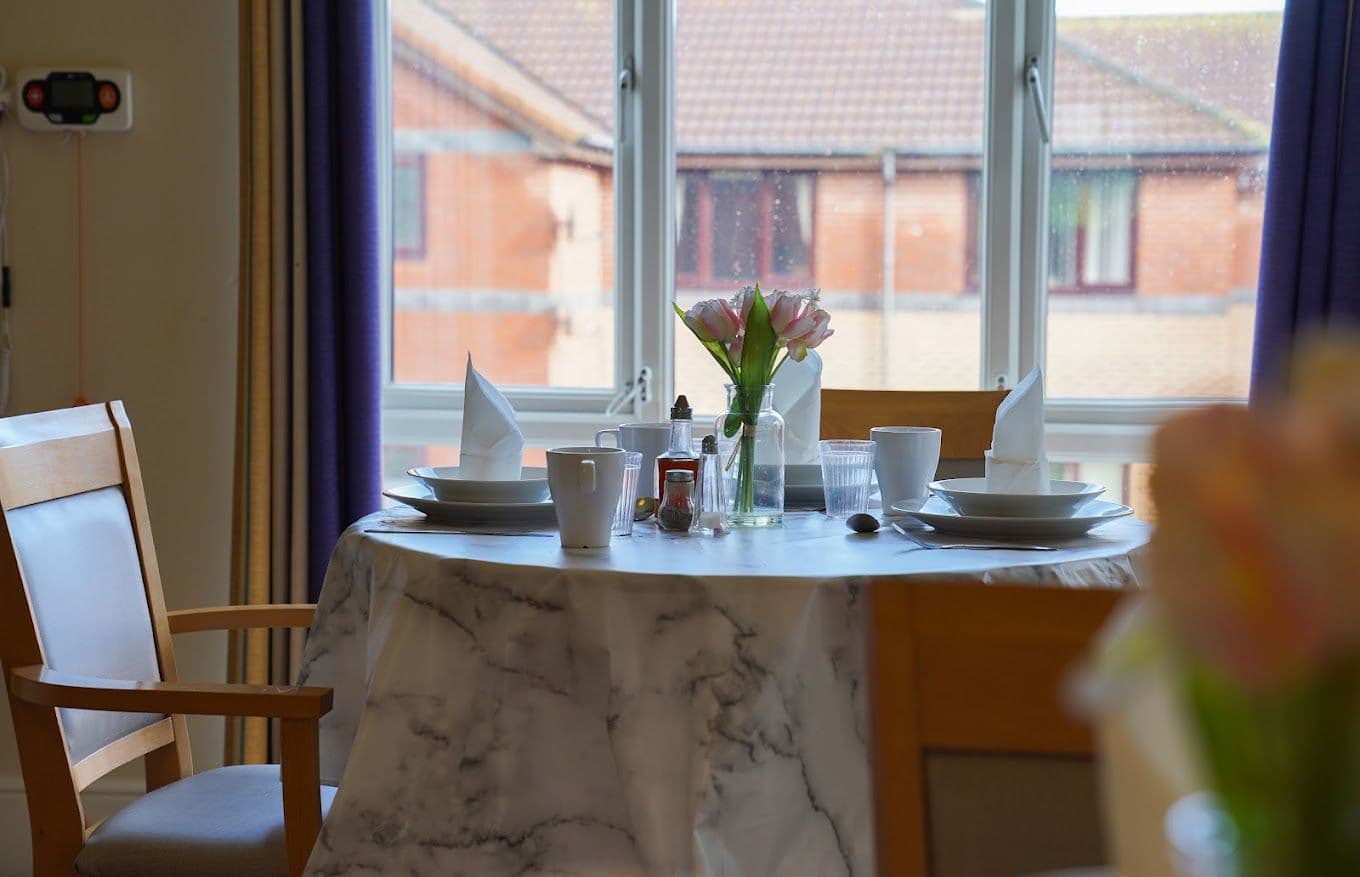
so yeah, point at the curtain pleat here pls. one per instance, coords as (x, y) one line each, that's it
(271, 466)
(1310, 245)
(344, 271)
(307, 443)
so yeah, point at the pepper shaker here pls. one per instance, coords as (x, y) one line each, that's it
(676, 512)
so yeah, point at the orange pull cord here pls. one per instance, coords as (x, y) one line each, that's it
(80, 270)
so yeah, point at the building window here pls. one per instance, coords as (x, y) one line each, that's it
(1091, 232)
(735, 227)
(408, 206)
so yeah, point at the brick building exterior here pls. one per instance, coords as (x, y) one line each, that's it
(505, 203)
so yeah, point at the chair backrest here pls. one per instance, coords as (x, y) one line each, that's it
(966, 687)
(80, 592)
(965, 418)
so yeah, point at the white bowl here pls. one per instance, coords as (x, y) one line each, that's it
(447, 485)
(969, 496)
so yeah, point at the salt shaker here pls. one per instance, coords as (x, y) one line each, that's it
(676, 511)
(712, 517)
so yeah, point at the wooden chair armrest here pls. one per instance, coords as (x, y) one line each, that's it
(46, 687)
(241, 617)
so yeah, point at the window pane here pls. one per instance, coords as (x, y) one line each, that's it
(408, 205)
(791, 224)
(807, 97)
(1163, 120)
(687, 224)
(508, 105)
(1064, 209)
(736, 226)
(1107, 228)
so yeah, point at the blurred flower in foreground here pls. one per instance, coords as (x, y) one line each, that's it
(1255, 604)
(1256, 562)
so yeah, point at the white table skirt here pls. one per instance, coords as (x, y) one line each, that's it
(672, 706)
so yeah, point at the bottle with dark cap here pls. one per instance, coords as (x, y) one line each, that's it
(680, 454)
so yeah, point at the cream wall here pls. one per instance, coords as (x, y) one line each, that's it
(161, 267)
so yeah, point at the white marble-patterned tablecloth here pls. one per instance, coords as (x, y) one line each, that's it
(672, 706)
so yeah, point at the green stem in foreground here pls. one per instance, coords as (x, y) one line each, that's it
(1286, 768)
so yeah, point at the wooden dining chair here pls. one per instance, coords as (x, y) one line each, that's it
(90, 671)
(979, 770)
(964, 418)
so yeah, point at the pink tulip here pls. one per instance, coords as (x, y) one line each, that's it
(789, 317)
(714, 320)
(814, 335)
(797, 321)
(742, 302)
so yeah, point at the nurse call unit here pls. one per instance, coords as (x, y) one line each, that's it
(96, 99)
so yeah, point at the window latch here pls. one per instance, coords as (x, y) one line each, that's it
(640, 388)
(627, 75)
(1034, 85)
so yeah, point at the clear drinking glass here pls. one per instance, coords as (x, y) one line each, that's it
(847, 467)
(623, 515)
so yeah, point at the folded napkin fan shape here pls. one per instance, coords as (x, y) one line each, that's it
(492, 445)
(1018, 460)
(798, 399)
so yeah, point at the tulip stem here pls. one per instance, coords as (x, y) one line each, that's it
(746, 473)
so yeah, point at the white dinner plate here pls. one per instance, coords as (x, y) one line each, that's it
(969, 496)
(418, 498)
(447, 483)
(944, 518)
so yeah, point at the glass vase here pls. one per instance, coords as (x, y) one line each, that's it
(751, 436)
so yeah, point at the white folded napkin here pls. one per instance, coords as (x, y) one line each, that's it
(798, 398)
(492, 446)
(1018, 460)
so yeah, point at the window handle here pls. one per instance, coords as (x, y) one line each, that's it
(640, 388)
(627, 75)
(1034, 84)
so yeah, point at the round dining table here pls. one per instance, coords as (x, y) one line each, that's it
(675, 704)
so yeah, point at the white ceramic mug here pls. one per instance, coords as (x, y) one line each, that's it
(648, 439)
(585, 484)
(905, 459)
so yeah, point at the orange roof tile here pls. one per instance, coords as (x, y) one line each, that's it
(810, 77)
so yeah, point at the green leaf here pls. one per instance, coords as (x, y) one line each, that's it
(759, 349)
(732, 422)
(757, 365)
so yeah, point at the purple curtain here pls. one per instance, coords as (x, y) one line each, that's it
(1310, 251)
(343, 265)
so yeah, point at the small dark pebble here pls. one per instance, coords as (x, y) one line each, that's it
(862, 523)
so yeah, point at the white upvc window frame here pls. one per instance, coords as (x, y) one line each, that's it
(1013, 251)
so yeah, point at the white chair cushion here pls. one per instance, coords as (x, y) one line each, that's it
(226, 822)
(84, 579)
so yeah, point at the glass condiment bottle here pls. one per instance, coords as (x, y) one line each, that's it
(676, 512)
(712, 505)
(680, 452)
